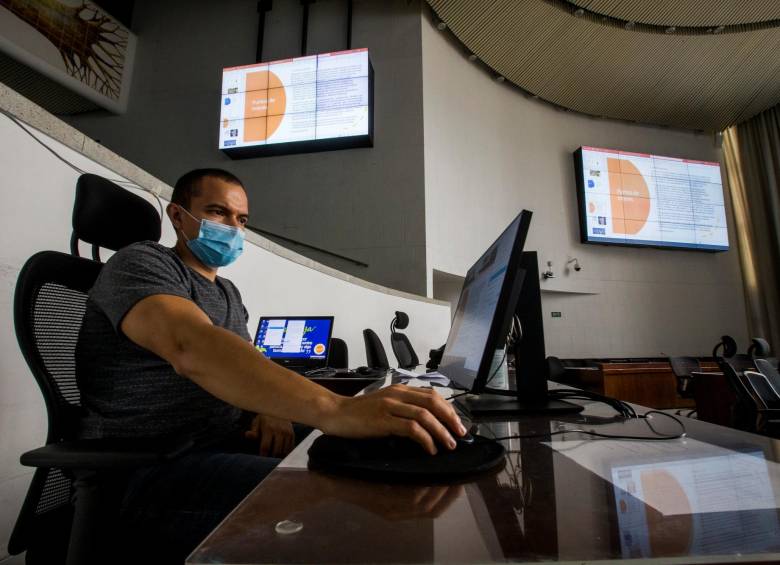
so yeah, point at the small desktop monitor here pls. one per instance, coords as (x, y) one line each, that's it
(502, 284)
(297, 342)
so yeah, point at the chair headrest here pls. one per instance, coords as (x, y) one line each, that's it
(401, 321)
(107, 215)
(729, 346)
(759, 347)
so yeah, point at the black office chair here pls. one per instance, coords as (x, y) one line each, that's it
(338, 358)
(402, 347)
(556, 369)
(682, 367)
(770, 371)
(72, 502)
(376, 358)
(767, 403)
(745, 413)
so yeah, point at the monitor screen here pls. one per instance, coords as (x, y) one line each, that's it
(301, 100)
(295, 339)
(485, 308)
(648, 200)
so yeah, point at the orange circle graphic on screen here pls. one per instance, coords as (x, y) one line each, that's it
(319, 349)
(629, 196)
(591, 207)
(265, 102)
(671, 534)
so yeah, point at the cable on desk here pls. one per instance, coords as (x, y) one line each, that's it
(660, 437)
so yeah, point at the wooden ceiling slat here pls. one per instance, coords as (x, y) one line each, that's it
(694, 81)
(686, 12)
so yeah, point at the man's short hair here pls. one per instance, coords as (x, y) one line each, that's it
(189, 184)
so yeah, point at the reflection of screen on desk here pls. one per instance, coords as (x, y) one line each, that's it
(697, 493)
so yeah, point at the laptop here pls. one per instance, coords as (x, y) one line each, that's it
(299, 343)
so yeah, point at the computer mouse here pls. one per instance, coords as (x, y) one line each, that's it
(467, 439)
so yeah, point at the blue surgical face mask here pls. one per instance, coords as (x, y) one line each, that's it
(217, 245)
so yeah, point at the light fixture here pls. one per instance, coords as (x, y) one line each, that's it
(548, 274)
(670, 29)
(500, 78)
(629, 25)
(472, 57)
(441, 25)
(579, 13)
(718, 29)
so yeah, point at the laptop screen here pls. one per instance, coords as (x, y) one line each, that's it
(295, 340)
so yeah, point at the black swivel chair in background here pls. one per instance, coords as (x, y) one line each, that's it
(402, 347)
(556, 370)
(376, 358)
(338, 357)
(682, 367)
(72, 503)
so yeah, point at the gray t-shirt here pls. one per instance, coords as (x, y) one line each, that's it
(127, 390)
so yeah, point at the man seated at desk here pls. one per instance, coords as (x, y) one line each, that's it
(164, 351)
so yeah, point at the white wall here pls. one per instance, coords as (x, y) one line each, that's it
(490, 152)
(38, 193)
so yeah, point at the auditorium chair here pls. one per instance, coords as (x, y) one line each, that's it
(682, 367)
(402, 347)
(338, 356)
(376, 358)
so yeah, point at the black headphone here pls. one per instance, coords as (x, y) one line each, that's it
(729, 346)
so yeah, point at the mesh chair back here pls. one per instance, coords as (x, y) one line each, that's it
(376, 358)
(49, 306)
(741, 362)
(765, 394)
(403, 351)
(338, 357)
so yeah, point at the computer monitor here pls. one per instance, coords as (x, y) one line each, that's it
(300, 343)
(504, 282)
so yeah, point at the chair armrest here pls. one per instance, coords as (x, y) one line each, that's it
(106, 453)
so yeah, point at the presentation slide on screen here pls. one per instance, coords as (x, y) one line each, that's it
(296, 339)
(302, 99)
(636, 198)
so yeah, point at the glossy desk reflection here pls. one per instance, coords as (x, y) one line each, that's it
(550, 502)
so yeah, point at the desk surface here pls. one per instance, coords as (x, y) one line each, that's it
(712, 497)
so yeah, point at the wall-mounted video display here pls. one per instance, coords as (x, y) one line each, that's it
(311, 103)
(639, 199)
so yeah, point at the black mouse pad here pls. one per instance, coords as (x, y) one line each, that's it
(401, 459)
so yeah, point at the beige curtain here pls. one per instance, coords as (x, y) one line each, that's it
(752, 154)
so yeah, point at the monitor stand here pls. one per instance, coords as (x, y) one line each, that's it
(486, 404)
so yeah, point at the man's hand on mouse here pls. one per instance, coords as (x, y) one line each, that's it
(418, 413)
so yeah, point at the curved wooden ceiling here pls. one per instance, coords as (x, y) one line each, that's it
(683, 63)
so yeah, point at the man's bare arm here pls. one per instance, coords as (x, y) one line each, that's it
(233, 370)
